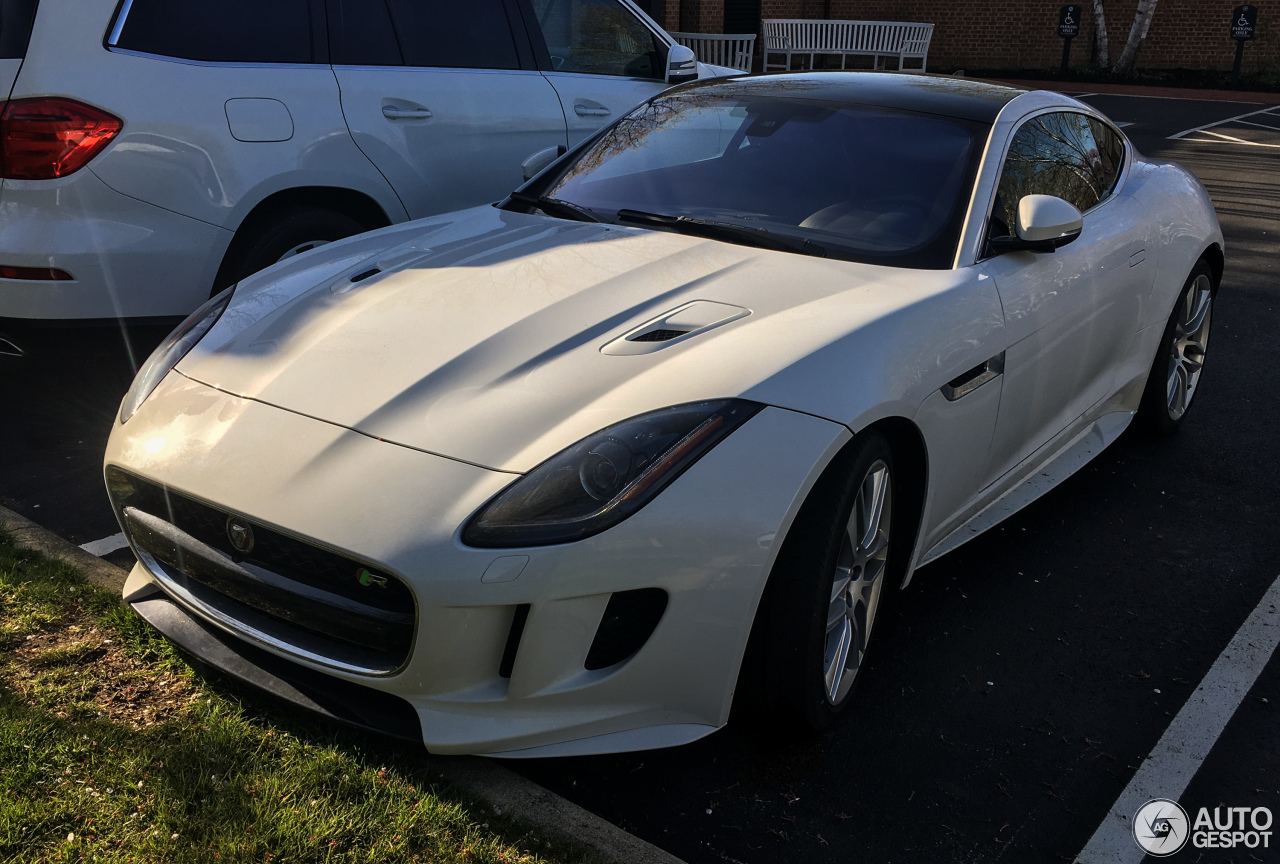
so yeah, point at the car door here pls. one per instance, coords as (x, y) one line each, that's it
(599, 55)
(1070, 314)
(444, 98)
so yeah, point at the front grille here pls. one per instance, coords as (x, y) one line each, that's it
(318, 603)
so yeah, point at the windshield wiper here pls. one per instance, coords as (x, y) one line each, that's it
(556, 207)
(727, 231)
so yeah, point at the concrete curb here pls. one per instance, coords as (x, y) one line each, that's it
(29, 535)
(506, 791)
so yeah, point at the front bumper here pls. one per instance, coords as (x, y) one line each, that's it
(129, 259)
(707, 541)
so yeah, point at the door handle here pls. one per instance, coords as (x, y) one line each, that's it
(588, 111)
(393, 113)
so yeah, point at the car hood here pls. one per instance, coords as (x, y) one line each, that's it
(485, 336)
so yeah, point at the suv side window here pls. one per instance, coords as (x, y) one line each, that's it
(1065, 154)
(228, 31)
(598, 37)
(430, 33)
(15, 27)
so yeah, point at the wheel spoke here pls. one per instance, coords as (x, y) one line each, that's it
(836, 662)
(1171, 386)
(1198, 303)
(876, 547)
(1179, 403)
(874, 491)
(839, 585)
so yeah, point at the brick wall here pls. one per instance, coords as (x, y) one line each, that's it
(1010, 34)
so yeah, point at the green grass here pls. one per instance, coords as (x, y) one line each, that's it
(113, 749)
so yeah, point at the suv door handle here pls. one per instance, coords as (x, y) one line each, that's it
(588, 111)
(393, 113)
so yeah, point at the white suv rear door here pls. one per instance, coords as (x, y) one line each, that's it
(443, 97)
(600, 55)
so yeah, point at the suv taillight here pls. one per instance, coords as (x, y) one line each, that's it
(49, 137)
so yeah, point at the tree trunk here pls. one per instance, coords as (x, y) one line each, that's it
(1138, 32)
(1103, 59)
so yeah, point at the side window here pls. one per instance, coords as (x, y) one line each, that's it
(1056, 154)
(598, 37)
(1110, 152)
(229, 31)
(15, 27)
(432, 33)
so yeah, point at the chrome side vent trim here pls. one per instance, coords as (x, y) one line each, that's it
(964, 384)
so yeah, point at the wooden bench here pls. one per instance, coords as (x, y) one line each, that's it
(875, 39)
(735, 50)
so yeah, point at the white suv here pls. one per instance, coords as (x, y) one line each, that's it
(153, 151)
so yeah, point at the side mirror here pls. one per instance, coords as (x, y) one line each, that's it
(682, 65)
(535, 163)
(1045, 222)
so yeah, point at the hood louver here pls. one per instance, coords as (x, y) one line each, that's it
(660, 335)
(675, 326)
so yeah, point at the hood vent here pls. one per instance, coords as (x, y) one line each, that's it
(675, 326)
(659, 335)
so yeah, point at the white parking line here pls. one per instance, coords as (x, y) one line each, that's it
(1186, 743)
(1232, 139)
(1266, 110)
(1260, 125)
(105, 545)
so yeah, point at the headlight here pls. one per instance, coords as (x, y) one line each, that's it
(604, 478)
(174, 347)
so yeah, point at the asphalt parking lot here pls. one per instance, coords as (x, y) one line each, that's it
(1016, 687)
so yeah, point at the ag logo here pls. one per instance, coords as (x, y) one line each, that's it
(1160, 827)
(365, 578)
(240, 533)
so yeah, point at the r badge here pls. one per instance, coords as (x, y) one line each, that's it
(364, 577)
(240, 533)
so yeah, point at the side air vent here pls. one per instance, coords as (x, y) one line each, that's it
(629, 620)
(365, 274)
(513, 640)
(660, 335)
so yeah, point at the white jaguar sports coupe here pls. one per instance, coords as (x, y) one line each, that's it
(576, 472)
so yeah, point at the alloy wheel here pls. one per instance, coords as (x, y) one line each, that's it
(857, 582)
(1190, 341)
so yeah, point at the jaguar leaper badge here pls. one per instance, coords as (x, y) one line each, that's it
(365, 578)
(240, 533)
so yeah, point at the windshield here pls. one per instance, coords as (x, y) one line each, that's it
(860, 182)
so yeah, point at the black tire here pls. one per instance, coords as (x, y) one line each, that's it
(264, 241)
(783, 680)
(1158, 412)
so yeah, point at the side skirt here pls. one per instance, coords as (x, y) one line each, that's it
(1075, 455)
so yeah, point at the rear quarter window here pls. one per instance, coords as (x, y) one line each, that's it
(226, 31)
(16, 17)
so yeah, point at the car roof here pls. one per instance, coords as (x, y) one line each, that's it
(963, 98)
